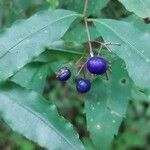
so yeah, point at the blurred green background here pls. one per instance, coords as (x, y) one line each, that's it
(134, 133)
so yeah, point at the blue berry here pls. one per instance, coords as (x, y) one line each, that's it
(83, 85)
(97, 65)
(63, 74)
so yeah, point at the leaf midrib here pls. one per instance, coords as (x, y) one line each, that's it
(123, 39)
(10, 96)
(65, 51)
(35, 33)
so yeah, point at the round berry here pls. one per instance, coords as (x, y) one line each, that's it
(97, 65)
(83, 85)
(63, 74)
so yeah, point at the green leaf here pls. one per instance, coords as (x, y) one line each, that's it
(66, 47)
(32, 76)
(138, 23)
(29, 114)
(78, 34)
(125, 140)
(115, 10)
(11, 10)
(78, 5)
(138, 95)
(139, 7)
(61, 50)
(106, 105)
(26, 39)
(134, 49)
(53, 3)
(21, 6)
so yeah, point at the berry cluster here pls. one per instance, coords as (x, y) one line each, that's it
(95, 65)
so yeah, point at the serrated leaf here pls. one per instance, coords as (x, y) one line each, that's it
(139, 7)
(26, 39)
(29, 114)
(134, 49)
(106, 106)
(32, 76)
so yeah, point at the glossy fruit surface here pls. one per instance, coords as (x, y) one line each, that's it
(97, 65)
(83, 85)
(64, 74)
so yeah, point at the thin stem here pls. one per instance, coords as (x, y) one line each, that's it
(118, 44)
(109, 49)
(103, 45)
(87, 28)
(85, 7)
(100, 50)
(106, 45)
(82, 66)
(89, 38)
(79, 60)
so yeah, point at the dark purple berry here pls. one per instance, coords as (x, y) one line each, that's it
(83, 85)
(63, 74)
(97, 65)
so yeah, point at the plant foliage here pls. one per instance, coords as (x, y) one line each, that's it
(35, 44)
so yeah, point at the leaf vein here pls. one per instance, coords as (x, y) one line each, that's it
(41, 119)
(34, 34)
(123, 39)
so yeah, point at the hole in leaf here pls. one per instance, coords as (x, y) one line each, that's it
(147, 20)
(124, 81)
